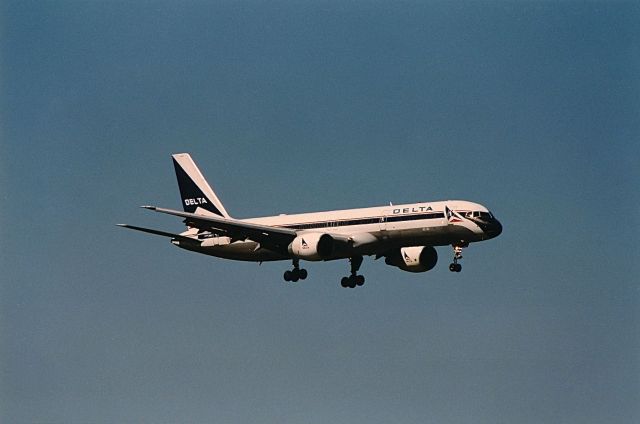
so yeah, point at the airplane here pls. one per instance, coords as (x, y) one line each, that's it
(405, 235)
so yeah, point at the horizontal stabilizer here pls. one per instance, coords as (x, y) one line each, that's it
(160, 233)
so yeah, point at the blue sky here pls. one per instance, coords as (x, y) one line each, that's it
(531, 108)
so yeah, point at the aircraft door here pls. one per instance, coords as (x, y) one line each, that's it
(383, 221)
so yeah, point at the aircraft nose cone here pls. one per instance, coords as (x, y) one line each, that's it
(494, 229)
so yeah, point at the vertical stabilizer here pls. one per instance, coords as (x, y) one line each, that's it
(196, 194)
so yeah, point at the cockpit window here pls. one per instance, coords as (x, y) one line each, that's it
(477, 214)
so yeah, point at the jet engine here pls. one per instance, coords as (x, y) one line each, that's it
(312, 246)
(413, 259)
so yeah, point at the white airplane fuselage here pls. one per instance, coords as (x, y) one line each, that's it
(405, 235)
(373, 229)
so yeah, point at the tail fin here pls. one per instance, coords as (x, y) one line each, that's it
(194, 189)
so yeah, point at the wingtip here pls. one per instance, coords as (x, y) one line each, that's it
(151, 208)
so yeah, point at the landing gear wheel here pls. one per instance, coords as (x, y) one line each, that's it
(354, 279)
(352, 282)
(457, 255)
(296, 273)
(455, 267)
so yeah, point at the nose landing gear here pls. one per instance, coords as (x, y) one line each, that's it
(296, 273)
(457, 255)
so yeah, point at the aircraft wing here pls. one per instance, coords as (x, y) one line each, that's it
(269, 237)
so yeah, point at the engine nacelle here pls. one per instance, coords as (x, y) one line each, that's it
(413, 259)
(312, 246)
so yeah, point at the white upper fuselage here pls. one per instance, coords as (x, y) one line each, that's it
(405, 235)
(370, 230)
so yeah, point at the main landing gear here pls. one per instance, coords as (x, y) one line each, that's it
(354, 279)
(457, 255)
(351, 281)
(296, 273)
